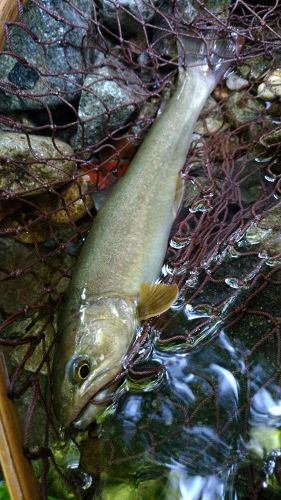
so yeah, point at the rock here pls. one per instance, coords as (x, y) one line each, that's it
(24, 230)
(271, 138)
(28, 281)
(255, 67)
(211, 118)
(52, 48)
(44, 330)
(76, 200)
(235, 82)
(242, 107)
(109, 97)
(188, 10)
(270, 88)
(129, 13)
(27, 171)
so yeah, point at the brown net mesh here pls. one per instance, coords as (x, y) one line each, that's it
(81, 82)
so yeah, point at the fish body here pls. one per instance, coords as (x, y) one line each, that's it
(112, 288)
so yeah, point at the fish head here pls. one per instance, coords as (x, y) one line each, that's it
(92, 345)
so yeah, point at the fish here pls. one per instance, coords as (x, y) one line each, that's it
(114, 285)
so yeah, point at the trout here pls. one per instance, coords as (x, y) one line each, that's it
(113, 286)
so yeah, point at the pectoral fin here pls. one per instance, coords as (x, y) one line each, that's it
(155, 299)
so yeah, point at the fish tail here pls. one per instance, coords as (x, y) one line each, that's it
(207, 58)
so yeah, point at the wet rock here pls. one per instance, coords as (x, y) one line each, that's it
(27, 171)
(109, 97)
(130, 14)
(211, 118)
(61, 34)
(242, 107)
(270, 88)
(75, 202)
(255, 67)
(235, 82)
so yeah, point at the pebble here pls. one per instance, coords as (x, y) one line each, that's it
(270, 88)
(236, 82)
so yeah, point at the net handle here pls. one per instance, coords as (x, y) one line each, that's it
(9, 11)
(17, 469)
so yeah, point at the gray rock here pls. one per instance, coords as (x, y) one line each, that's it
(129, 13)
(189, 9)
(53, 48)
(108, 99)
(32, 166)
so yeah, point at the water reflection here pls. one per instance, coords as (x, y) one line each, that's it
(195, 430)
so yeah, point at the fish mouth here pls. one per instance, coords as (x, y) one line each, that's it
(84, 414)
(91, 411)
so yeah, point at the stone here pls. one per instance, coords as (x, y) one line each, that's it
(27, 281)
(236, 82)
(187, 10)
(211, 119)
(129, 14)
(51, 47)
(33, 165)
(45, 331)
(76, 199)
(270, 88)
(255, 67)
(242, 107)
(109, 98)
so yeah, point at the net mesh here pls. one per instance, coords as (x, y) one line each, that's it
(81, 82)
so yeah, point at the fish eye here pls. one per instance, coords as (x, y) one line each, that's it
(81, 369)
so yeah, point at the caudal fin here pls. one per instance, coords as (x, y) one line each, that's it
(209, 57)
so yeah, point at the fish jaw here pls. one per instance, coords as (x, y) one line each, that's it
(78, 408)
(100, 334)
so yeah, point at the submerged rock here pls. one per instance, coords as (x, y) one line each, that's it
(52, 47)
(32, 165)
(109, 97)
